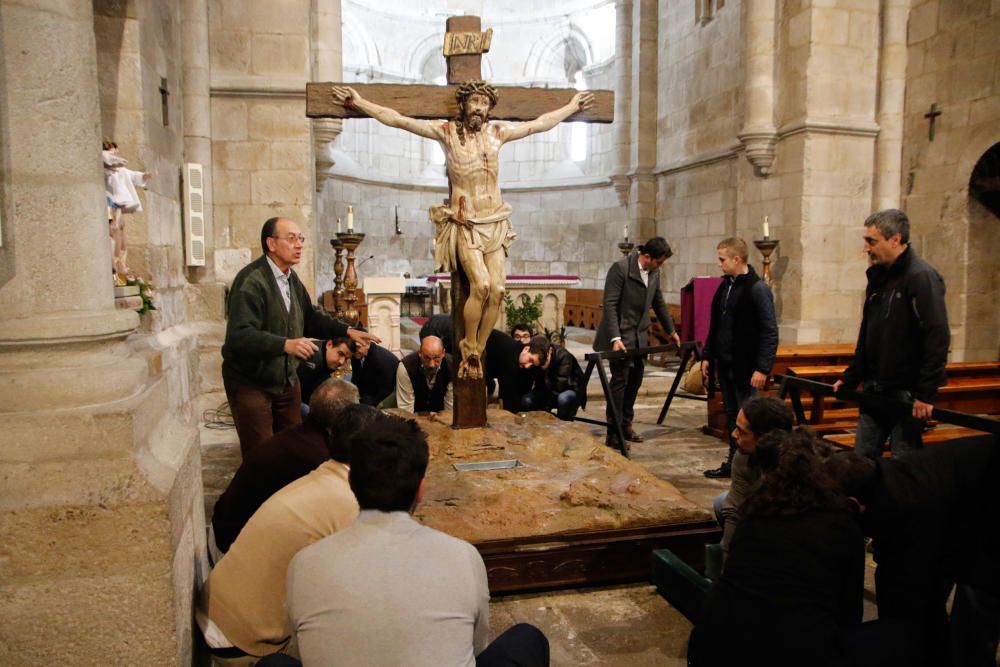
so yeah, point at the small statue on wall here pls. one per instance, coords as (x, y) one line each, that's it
(122, 197)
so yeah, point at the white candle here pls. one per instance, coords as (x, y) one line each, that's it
(350, 219)
(625, 233)
(767, 230)
(338, 225)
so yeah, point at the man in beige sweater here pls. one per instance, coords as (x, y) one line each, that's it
(241, 609)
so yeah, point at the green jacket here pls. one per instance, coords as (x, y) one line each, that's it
(259, 325)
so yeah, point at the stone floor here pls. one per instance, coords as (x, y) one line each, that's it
(622, 625)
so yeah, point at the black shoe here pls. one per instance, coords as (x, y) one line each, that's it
(613, 442)
(724, 471)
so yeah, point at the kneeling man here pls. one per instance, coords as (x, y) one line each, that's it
(388, 591)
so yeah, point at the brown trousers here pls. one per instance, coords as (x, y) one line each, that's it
(259, 414)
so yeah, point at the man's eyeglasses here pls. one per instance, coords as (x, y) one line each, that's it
(291, 238)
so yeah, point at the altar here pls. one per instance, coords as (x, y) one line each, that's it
(551, 288)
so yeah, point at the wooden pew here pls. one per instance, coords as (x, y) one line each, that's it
(822, 354)
(973, 387)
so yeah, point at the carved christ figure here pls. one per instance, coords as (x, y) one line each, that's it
(474, 229)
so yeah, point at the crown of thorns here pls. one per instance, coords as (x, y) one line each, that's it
(470, 88)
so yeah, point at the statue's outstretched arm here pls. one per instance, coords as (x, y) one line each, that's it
(580, 102)
(347, 96)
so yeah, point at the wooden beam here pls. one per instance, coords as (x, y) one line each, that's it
(426, 101)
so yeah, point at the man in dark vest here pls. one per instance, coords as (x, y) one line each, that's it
(423, 379)
(742, 338)
(272, 321)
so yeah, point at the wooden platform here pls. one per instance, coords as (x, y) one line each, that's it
(573, 513)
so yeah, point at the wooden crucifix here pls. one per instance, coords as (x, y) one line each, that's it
(472, 227)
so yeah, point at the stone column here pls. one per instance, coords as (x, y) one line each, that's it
(623, 99)
(892, 92)
(327, 65)
(643, 116)
(87, 557)
(195, 86)
(759, 134)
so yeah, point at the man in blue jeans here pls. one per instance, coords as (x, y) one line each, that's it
(903, 343)
(742, 338)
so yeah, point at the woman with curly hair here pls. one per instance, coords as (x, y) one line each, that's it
(794, 577)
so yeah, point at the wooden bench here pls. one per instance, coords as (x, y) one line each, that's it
(933, 436)
(973, 387)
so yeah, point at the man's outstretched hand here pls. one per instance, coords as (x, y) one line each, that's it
(583, 100)
(345, 95)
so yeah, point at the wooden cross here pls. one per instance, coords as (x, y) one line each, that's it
(164, 108)
(932, 116)
(463, 47)
(429, 101)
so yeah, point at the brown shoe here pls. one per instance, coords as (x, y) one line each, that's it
(631, 435)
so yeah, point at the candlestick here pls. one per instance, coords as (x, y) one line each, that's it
(350, 242)
(625, 233)
(766, 247)
(767, 231)
(350, 219)
(338, 276)
(338, 225)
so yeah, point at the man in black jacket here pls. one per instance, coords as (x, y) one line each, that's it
(373, 372)
(508, 362)
(557, 382)
(903, 343)
(270, 327)
(742, 338)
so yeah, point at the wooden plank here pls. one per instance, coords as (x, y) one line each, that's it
(429, 102)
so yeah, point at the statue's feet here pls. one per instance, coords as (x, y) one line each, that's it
(470, 368)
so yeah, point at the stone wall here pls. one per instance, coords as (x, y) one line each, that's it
(818, 185)
(101, 463)
(954, 62)
(261, 141)
(560, 230)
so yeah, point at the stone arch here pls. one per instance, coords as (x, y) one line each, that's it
(567, 48)
(357, 40)
(982, 319)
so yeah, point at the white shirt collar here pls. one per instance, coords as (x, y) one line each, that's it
(278, 273)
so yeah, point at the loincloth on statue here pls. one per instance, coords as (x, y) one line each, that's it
(487, 234)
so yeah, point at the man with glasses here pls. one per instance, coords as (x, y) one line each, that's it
(272, 320)
(522, 333)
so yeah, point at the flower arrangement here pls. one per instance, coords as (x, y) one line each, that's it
(146, 292)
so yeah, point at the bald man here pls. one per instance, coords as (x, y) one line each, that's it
(271, 326)
(423, 379)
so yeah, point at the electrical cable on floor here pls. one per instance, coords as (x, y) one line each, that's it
(220, 418)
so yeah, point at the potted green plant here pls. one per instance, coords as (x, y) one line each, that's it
(529, 311)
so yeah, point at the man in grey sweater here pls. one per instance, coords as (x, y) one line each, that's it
(388, 591)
